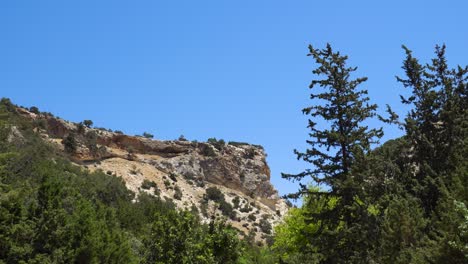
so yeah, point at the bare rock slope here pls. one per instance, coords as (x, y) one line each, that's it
(212, 178)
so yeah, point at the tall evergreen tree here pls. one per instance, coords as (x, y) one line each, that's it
(437, 130)
(336, 148)
(436, 126)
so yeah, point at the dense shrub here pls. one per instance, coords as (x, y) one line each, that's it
(177, 193)
(147, 184)
(265, 226)
(226, 209)
(167, 183)
(218, 144)
(173, 176)
(88, 123)
(252, 217)
(34, 109)
(236, 202)
(148, 135)
(246, 209)
(70, 144)
(214, 194)
(56, 212)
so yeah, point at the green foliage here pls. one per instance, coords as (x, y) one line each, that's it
(218, 144)
(148, 135)
(403, 227)
(252, 217)
(335, 151)
(70, 144)
(54, 212)
(403, 202)
(254, 254)
(176, 238)
(223, 240)
(461, 242)
(88, 123)
(91, 142)
(236, 202)
(189, 176)
(80, 128)
(213, 193)
(173, 176)
(34, 109)
(179, 238)
(265, 226)
(167, 183)
(177, 193)
(147, 184)
(246, 209)
(226, 209)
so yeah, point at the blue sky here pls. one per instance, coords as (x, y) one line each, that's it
(235, 70)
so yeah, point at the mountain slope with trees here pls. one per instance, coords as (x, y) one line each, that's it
(400, 201)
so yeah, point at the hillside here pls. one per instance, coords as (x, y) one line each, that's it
(188, 174)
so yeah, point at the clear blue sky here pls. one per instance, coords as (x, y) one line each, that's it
(235, 70)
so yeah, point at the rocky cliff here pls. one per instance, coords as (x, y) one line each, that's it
(187, 173)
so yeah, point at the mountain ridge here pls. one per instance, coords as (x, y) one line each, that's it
(180, 171)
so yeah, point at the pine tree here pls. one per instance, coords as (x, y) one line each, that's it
(336, 148)
(436, 126)
(437, 132)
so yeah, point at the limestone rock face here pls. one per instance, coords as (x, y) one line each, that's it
(15, 137)
(239, 170)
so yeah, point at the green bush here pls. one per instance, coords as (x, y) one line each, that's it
(34, 109)
(69, 143)
(189, 176)
(218, 144)
(252, 217)
(88, 123)
(226, 209)
(265, 226)
(148, 135)
(177, 193)
(167, 183)
(40, 123)
(214, 194)
(147, 184)
(236, 202)
(173, 176)
(246, 209)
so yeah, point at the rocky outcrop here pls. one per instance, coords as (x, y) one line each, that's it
(238, 169)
